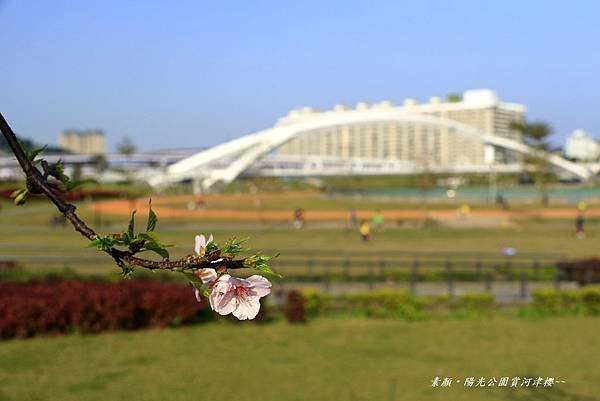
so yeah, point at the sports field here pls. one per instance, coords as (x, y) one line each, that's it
(27, 230)
(279, 207)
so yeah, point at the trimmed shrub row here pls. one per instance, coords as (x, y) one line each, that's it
(363, 275)
(61, 306)
(403, 305)
(584, 301)
(390, 304)
(24, 275)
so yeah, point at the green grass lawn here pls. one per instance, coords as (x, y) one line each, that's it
(328, 359)
(25, 231)
(325, 360)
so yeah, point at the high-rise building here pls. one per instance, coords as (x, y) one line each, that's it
(83, 142)
(582, 146)
(418, 142)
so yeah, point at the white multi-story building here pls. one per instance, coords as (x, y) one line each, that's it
(582, 146)
(420, 143)
(83, 142)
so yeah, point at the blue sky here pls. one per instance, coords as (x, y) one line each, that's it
(193, 73)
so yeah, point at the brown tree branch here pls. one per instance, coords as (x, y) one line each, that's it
(37, 184)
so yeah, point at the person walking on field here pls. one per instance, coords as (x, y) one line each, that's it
(365, 231)
(352, 218)
(579, 226)
(378, 220)
(299, 218)
(580, 220)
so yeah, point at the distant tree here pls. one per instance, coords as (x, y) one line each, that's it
(100, 163)
(536, 135)
(126, 147)
(76, 173)
(454, 98)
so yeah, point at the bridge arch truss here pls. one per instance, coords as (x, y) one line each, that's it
(225, 162)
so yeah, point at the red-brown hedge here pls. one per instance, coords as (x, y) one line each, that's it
(61, 306)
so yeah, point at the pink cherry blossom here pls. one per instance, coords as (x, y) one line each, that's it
(201, 244)
(239, 296)
(208, 276)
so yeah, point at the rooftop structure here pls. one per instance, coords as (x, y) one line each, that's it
(582, 146)
(422, 143)
(83, 142)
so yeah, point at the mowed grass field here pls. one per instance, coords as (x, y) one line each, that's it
(26, 231)
(327, 359)
(323, 360)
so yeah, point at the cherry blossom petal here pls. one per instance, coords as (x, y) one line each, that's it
(225, 281)
(222, 298)
(260, 286)
(235, 281)
(200, 242)
(247, 310)
(208, 276)
(223, 303)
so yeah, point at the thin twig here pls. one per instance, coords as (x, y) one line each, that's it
(38, 184)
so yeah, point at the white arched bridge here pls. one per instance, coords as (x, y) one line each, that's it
(256, 153)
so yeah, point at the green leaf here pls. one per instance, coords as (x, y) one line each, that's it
(57, 170)
(192, 278)
(59, 167)
(35, 152)
(196, 283)
(152, 237)
(135, 242)
(127, 271)
(152, 218)
(103, 242)
(149, 236)
(32, 154)
(234, 247)
(122, 241)
(261, 263)
(211, 247)
(131, 225)
(20, 196)
(16, 192)
(157, 248)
